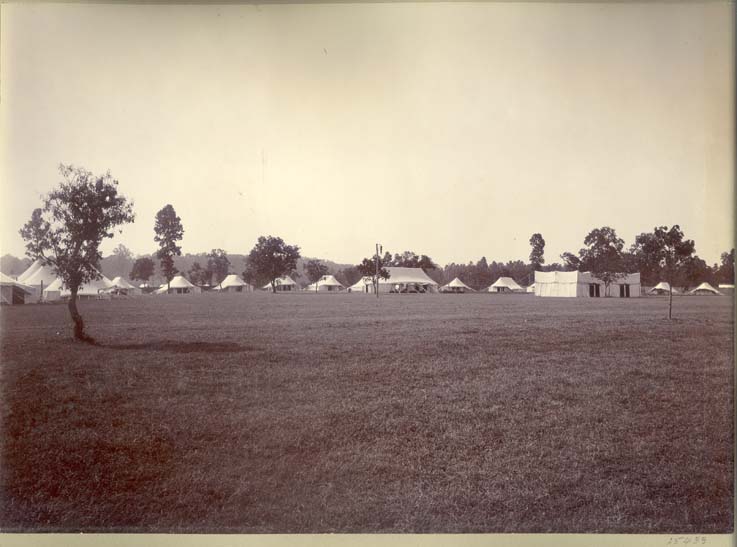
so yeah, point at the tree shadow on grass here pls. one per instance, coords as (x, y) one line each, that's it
(182, 347)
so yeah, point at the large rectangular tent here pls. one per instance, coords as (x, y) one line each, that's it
(584, 284)
(401, 280)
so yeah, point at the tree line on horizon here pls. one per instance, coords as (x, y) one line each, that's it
(84, 209)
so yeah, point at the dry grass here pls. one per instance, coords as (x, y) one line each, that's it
(322, 413)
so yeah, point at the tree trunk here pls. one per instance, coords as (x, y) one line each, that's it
(273, 286)
(670, 301)
(78, 322)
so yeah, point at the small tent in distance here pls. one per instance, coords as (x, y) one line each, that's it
(124, 288)
(662, 288)
(179, 285)
(283, 284)
(327, 283)
(705, 288)
(363, 285)
(456, 287)
(232, 283)
(505, 284)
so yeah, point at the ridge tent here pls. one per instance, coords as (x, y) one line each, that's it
(283, 284)
(12, 291)
(39, 279)
(704, 288)
(401, 280)
(363, 285)
(93, 289)
(406, 280)
(662, 288)
(97, 288)
(121, 286)
(232, 283)
(53, 291)
(179, 285)
(327, 283)
(456, 286)
(30, 270)
(505, 284)
(583, 284)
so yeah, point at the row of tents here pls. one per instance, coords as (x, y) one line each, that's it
(39, 283)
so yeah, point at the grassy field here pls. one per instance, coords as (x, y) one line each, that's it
(341, 413)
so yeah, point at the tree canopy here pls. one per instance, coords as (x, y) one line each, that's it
(143, 269)
(270, 259)
(538, 250)
(66, 232)
(218, 266)
(168, 232)
(669, 251)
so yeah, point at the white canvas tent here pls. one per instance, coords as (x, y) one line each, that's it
(283, 284)
(179, 285)
(401, 280)
(39, 279)
(327, 283)
(53, 291)
(456, 286)
(121, 286)
(363, 285)
(232, 283)
(583, 284)
(704, 288)
(97, 288)
(505, 284)
(12, 291)
(30, 270)
(662, 288)
(406, 280)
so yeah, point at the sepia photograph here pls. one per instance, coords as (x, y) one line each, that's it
(368, 268)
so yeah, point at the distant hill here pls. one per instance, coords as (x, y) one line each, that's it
(13, 266)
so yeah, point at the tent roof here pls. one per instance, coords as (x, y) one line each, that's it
(705, 287)
(232, 280)
(6, 281)
(43, 274)
(94, 287)
(121, 283)
(55, 286)
(30, 270)
(325, 280)
(180, 282)
(361, 283)
(507, 282)
(457, 283)
(284, 280)
(662, 286)
(407, 275)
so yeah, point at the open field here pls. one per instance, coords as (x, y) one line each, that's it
(338, 413)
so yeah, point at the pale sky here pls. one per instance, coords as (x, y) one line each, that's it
(455, 130)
